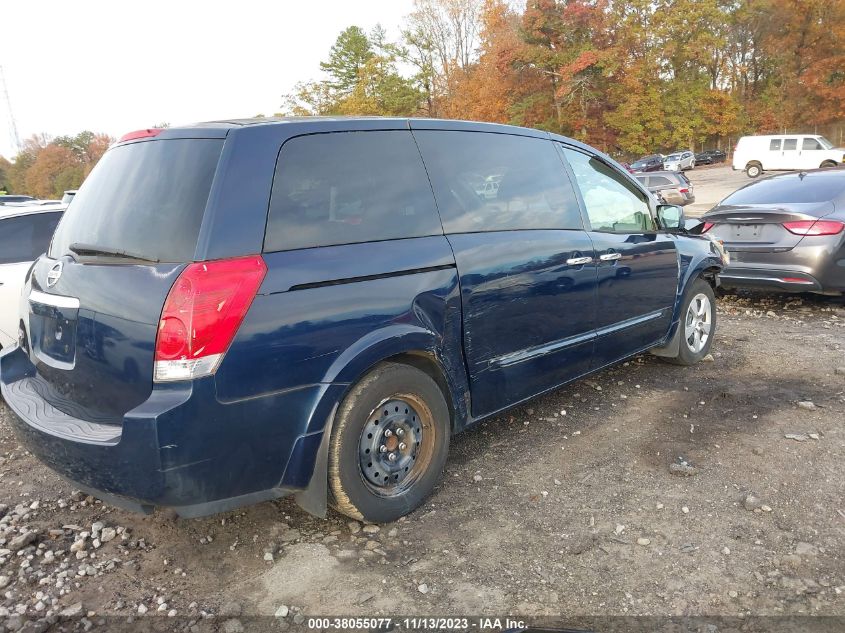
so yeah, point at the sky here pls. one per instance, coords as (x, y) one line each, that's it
(122, 65)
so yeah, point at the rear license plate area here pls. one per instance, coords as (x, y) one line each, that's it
(745, 232)
(53, 333)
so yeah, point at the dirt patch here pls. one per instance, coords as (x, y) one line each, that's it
(563, 506)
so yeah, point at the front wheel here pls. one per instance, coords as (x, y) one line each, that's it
(698, 324)
(388, 445)
(827, 163)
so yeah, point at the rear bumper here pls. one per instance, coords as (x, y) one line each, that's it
(816, 264)
(783, 280)
(182, 448)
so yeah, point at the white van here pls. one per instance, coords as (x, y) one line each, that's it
(756, 154)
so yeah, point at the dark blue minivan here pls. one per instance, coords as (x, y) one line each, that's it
(242, 310)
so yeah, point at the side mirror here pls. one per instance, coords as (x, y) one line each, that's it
(670, 217)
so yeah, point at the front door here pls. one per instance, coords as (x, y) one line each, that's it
(638, 267)
(525, 262)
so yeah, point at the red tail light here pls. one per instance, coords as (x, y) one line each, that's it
(202, 314)
(707, 227)
(148, 133)
(814, 227)
(684, 190)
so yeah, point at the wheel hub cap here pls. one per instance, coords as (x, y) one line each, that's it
(389, 444)
(698, 323)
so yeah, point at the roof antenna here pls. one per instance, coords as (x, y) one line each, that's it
(13, 124)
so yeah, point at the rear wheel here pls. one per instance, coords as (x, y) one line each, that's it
(698, 324)
(389, 444)
(753, 169)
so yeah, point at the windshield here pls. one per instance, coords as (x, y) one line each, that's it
(144, 198)
(673, 157)
(825, 143)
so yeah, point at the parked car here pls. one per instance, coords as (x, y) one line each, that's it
(25, 233)
(710, 157)
(679, 161)
(756, 154)
(653, 162)
(784, 232)
(673, 187)
(239, 311)
(7, 198)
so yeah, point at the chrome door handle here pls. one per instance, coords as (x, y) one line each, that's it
(578, 261)
(609, 257)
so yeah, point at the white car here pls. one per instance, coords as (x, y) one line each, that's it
(783, 152)
(25, 233)
(679, 161)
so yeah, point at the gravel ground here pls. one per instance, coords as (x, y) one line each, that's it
(648, 489)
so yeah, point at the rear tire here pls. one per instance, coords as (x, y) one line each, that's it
(753, 169)
(697, 325)
(389, 443)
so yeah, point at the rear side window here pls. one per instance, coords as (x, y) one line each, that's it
(774, 145)
(657, 181)
(145, 199)
(24, 238)
(790, 144)
(613, 203)
(349, 187)
(498, 182)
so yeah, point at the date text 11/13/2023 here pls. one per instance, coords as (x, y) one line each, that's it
(416, 623)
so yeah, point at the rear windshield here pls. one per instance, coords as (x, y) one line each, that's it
(145, 199)
(791, 189)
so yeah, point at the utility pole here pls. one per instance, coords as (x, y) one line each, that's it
(13, 125)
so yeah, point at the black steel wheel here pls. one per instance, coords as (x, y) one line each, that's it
(389, 443)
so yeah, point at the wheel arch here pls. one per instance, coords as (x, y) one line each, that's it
(398, 343)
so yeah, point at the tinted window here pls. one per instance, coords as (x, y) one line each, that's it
(348, 187)
(498, 182)
(144, 198)
(24, 238)
(810, 143)
(790, 143)
(613, 203)
(790, 189)
(660, 180)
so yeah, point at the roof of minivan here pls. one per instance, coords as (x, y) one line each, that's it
(222, 126)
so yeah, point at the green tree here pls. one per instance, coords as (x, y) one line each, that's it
(347, 58)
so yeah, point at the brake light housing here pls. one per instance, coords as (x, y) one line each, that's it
(145, 133)
(814, 227)
(201, 315)
(707, 226)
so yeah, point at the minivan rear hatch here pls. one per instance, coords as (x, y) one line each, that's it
(96, 298)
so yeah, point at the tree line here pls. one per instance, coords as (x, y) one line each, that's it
(628, 76)
(46, 167)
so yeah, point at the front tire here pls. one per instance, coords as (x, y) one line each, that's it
(697, 325)
(827, 163)
(389, 443)
(753, 170)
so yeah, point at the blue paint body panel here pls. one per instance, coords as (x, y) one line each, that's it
(501, 314)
